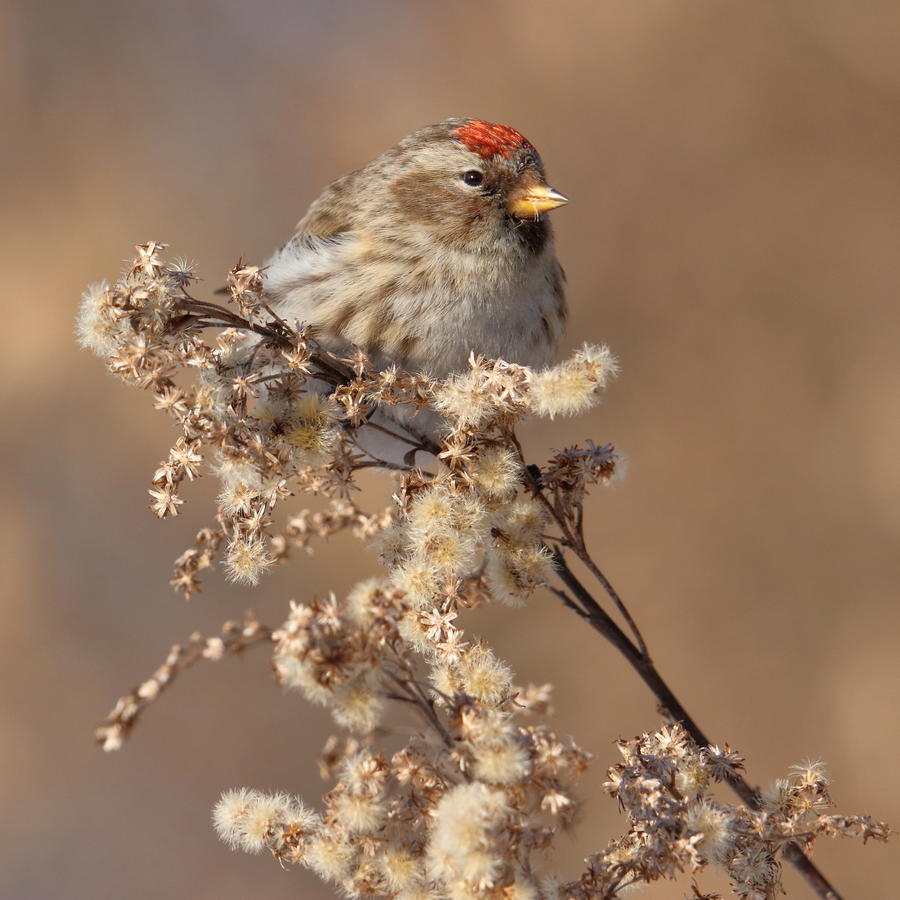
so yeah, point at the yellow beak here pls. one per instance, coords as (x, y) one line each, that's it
(529, 201)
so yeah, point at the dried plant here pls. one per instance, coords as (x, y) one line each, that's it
(473, 800)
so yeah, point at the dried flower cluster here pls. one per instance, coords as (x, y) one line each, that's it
(472, 801)
(460, 811)
(665, 782)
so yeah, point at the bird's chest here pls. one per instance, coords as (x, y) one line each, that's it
(424, 307)
(481, 305)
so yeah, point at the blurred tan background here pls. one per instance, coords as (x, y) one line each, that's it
(733, 235)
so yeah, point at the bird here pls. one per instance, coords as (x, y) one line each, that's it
(436, 250)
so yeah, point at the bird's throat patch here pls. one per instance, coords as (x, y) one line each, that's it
(487, 139)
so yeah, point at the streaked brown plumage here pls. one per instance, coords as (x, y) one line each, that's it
(435, 249)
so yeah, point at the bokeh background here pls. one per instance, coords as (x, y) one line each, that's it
(733, 235)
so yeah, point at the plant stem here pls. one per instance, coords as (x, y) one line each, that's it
(589, 609)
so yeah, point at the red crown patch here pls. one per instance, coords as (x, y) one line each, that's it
(487, 139)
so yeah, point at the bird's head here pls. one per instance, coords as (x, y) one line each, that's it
(467, 177)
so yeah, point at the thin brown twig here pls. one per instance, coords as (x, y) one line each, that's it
(203, 309)
(234, 638)
(600, 620)
(638, 656)
(575, 540)
(582, 553)
(415, 694)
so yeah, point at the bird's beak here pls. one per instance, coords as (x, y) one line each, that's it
(528, 201)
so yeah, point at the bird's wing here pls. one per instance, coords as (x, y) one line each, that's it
(331, 214)
(308, 279)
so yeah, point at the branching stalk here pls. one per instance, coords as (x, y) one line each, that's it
(591, 611)
(272, 412)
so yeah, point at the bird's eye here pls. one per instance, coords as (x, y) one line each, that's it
(473, 177)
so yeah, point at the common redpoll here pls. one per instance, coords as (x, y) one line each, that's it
(437, 249)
